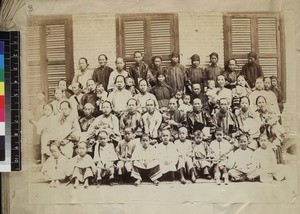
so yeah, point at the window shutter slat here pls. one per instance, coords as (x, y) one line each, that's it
(269, 66)
(241, 35)
(133, 37)
(55, 42)
(161, 37)
(267, 35)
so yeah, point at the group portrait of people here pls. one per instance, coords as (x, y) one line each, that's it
(155, 123)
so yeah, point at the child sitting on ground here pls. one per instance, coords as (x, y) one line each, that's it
(104, 157)
(83, 166)
(146, 162)
(185, 163)
(55, 167)
(201, 152)
(168, 155)
(220, 149)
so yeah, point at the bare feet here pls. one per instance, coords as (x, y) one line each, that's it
(156, 182)
(52, 184)
(137, 182)
(76, 184)
(182, 180)
(86, 183)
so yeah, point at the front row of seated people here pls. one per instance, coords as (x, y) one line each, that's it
(137, 159)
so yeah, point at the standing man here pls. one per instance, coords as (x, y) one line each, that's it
(252, 70)
(101, 74)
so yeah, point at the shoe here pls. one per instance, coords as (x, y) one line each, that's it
(137, 182)
(182, 180)
(156, 182)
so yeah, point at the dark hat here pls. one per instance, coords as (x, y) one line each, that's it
(195, 57)
(175, 54)
(252, 54)
(214, 54)
(161, 72)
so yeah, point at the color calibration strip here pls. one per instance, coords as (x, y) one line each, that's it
(12, 96)
(2, 103)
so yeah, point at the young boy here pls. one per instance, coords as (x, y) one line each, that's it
(265, 162)
(220, 149)
(240, 162)
(104, 157)
(185, 163)
(146, 162)
(168, 155)
(129, 85)
(124, 151)
(201, 152)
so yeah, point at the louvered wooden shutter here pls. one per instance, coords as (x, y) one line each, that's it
(151, 34)
(34, 75)
(55, 56)
(253, 32)
(267, 30)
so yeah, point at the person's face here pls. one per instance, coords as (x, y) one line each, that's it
(157, 62)
(128, 135)
(75, 88)
(58, 95)
(143, 86)
(232, 65)
(251, 60)
(145, 142)
(219, 136)
(47, 110)
(102, 60)
(65, 109)
(182, 134)
(91, 86)
(106, 109)
(87, 110)
(166, 117)
(197, 105)
(243, 142)
(263, 141)
(186, 100)
(102, 139)
(131, 106)
(175, 59)
(261, 103)
(224, 104)
(120, 83)
(138, 58)
(62, 85)
(196, 89)
(244, 103)
(198, 139)
(196, 63)
(82, 149)
(99, 88)
(267, 83)
(211, 84)
(120, 64)
(40, 96)
(241, 81)
(54, 151)
(150, 107)
(259, 84)
(161, 78)
(213, 60)
(129, 82)
(178, 95)
(82, 64)
(274, 83)
(221, 81)
(165, 137)
(172, 105)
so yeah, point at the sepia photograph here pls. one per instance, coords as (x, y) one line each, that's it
(160, 107)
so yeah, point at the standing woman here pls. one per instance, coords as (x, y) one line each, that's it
(84, 73)
(156, 67)
(213, 70)
(194, 74)
(176, 73)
